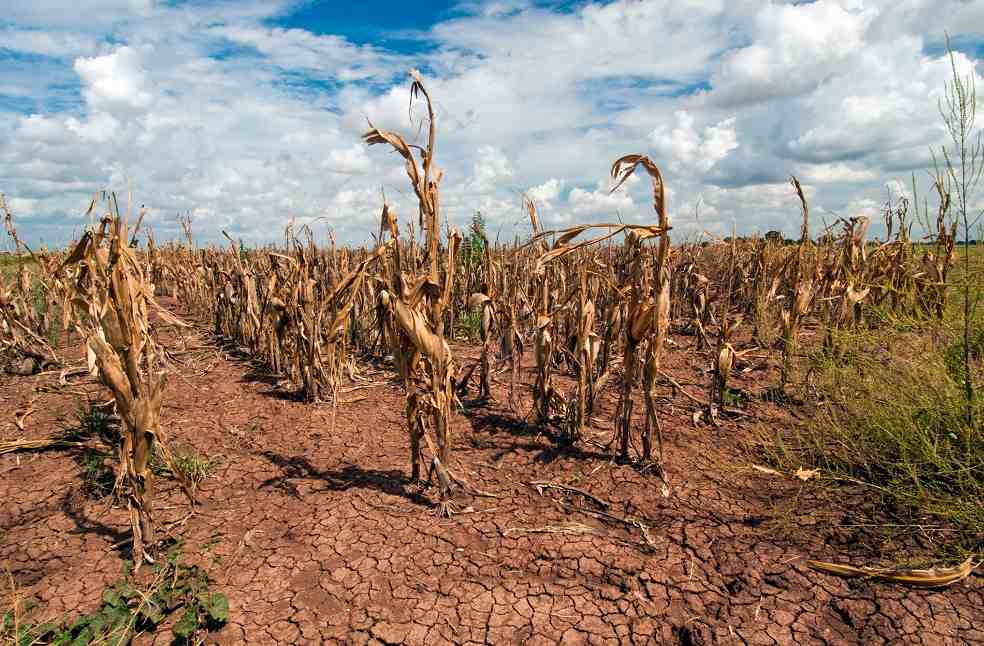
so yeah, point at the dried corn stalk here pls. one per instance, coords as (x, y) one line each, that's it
(648, 315)
(416, 306)
(802, 292)
(112, 305)
(27, 305)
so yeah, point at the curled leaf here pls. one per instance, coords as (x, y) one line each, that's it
(931, 578)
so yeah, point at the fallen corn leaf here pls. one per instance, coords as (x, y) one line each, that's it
(766, 470)
(806, 474)
(931, 578)
(21, 415)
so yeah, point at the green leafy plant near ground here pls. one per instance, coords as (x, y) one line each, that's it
(189, 464)
(891, 415)
(97, 477)
(97, 424)
(470, 326)
(128, 609)
(194, 466)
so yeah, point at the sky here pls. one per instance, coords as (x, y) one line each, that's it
(247, 115)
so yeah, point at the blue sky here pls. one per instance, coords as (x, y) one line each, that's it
(391, 24)
(247, 114)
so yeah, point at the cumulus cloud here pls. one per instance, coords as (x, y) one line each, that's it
(215, 110)
(116, 80)
(48, 14)
(835, 173)
(690, 149)
(491, 170)
(601, 202)
(46, 43)
(297, 49)
(546, 192)
(794, 48)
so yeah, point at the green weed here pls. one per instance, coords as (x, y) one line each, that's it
(98, 479)
(890, 415)
(129, 608)
(470, 326)
(193, 466)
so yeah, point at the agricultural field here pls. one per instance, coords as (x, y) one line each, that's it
(592, 435)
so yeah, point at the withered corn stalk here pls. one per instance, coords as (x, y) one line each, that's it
(511, 344)
(931, 287)
(586, 346)
(647, 314)
(800, 292)
(112, 302)
(725, 357)
(416, 305)
(484, 303)
(27, 306)
(544, 395)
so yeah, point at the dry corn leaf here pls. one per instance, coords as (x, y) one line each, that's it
(90, 358)
(766, 470)
(931, 578)
(34, 445)
(21, 415)
(806, 474)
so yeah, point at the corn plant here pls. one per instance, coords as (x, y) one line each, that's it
(112, 302)
(417, 306)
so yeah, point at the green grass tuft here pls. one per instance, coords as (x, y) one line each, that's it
(890, 415)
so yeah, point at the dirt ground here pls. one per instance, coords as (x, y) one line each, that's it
(323, 537)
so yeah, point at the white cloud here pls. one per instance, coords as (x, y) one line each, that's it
(58, 13)
(896, 189)
(99, 128)
(688, 149)
(114, 80)
(865, 207)
(491, 170)
(887, 105)
(794, 48)
(212, 109)
(601, 203)
(546, 192)
(299, 49)
(46, 43)
(834, 173)
(40, 129)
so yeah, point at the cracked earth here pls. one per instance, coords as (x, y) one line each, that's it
(319, 536)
